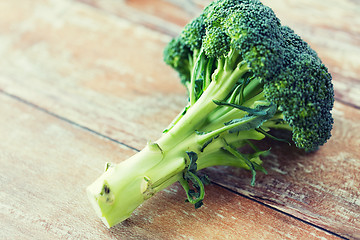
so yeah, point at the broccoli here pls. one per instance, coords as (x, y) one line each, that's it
(245, 74)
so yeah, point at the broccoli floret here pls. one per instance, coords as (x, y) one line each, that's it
(177, 54)
(245, 74)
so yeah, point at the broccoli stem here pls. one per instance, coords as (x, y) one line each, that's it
(125, 186)
(219, 117)
(198, 54)
(221, 85)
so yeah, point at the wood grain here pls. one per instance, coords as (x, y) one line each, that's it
(46, 164)
(320, 187)
(81, 76)
(58, 58)
(330, 27)
(159, 15)
(87, 62)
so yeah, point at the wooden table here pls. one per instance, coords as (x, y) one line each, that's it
(82, 82)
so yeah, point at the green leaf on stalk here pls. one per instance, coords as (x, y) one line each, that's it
(254, 120)
(206, 144)
(192, 165)
(198, 204)
(195, 195)
(242, 157)
(261, 110)
(199, 88)
(260, 168)
(205, 180)
(245, 123)
(266, 134)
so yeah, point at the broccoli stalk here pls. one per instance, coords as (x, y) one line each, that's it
(125, 186)
(245, 75)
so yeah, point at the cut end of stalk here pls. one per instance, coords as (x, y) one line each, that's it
(103, 207)
(106, 204)
(93, 195)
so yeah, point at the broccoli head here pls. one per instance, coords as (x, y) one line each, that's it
(232, 35)
(245, 74)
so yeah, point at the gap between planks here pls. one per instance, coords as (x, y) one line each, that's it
(19, 99)
(280, 211)
(67, 120)
(350, 104)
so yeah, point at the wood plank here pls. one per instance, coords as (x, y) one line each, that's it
(160, 15)
(46, 164)
(56, 59)
(82, 76)
(321, 187)
(331, 28)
